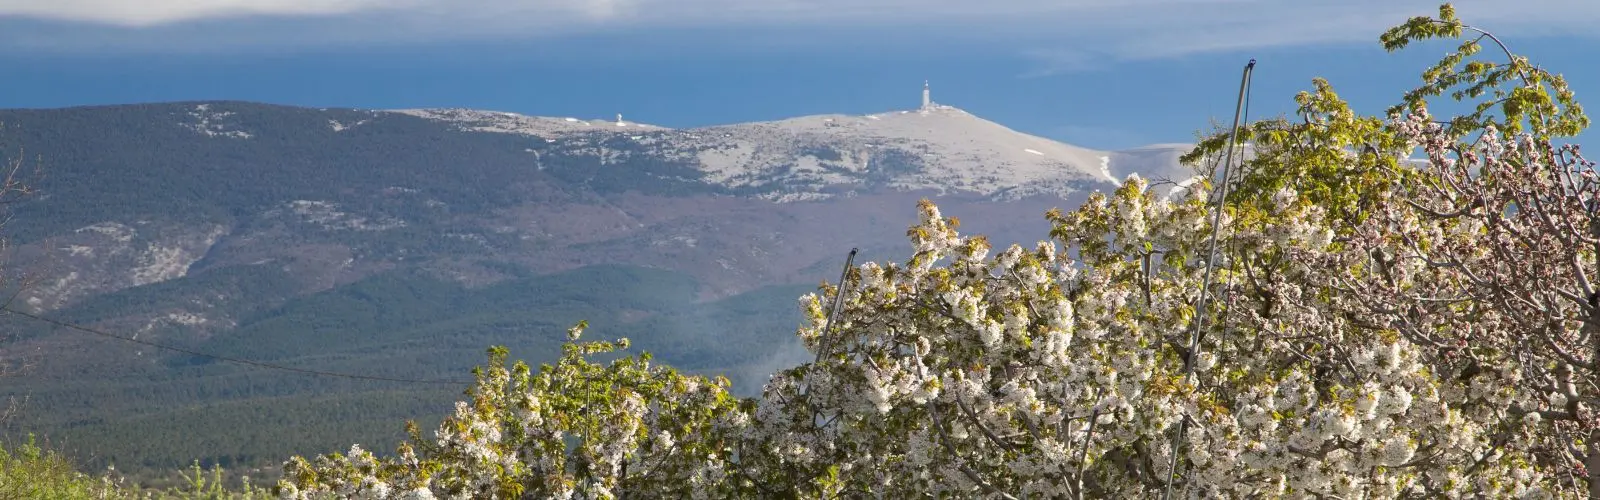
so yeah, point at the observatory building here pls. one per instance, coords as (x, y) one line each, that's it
(927, 97)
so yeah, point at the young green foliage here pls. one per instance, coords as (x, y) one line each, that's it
(574, 428)
(1527, 98)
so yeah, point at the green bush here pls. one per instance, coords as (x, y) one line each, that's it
(29, 471)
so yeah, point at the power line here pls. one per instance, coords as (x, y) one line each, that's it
(258, 364)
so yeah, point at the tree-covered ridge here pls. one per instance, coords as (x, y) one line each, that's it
(1383, 328)
(226, 160)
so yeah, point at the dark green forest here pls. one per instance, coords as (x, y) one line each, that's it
(176, 408)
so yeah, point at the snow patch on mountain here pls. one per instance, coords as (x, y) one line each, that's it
(167, 260)
(203, 120)
(339, 126)
(115, 230)
(110, 256)
(941, 148)
(512, 123)
(330, 216)
(160, 263)
(187, 318)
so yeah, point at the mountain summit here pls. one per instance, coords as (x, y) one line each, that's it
(936, 148)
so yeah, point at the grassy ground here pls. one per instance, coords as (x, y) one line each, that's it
(28, 471)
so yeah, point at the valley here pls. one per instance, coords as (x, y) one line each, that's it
(402, 244)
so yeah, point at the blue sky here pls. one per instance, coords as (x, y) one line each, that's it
(1097, 73)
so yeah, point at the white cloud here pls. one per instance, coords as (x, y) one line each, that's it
(156, 12)
(1193, 28)
(1062, 34)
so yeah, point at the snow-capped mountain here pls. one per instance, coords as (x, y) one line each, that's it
(936, 148)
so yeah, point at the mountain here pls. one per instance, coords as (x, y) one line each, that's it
(402, 243)
(938, 148)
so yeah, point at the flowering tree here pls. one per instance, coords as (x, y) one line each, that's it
(1384, 327)
(1480, 256)
(573, 429)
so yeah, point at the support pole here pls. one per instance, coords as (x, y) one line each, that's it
(1221, 196)
(838, 302)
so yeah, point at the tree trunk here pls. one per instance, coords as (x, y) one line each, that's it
(1592, 464)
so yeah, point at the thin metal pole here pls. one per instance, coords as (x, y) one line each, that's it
(838, 302)
(1221, 195)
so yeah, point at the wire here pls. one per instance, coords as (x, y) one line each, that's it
(258, 364)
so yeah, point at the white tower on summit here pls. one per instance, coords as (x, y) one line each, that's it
(927, 101)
